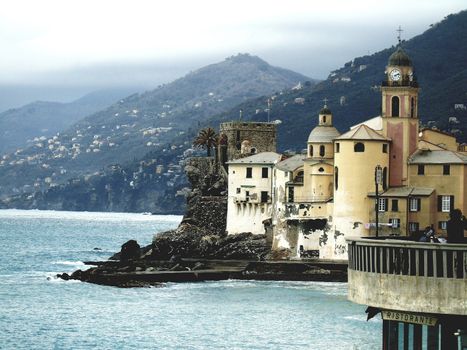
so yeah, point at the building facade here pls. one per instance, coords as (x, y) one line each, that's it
(321, 197)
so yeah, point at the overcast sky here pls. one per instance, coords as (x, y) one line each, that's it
(101, 43)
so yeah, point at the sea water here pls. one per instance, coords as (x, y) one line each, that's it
(38, 311)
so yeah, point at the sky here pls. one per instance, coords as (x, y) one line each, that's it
(51, 47)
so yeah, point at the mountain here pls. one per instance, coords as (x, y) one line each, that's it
(155, 182)
(439, 56)
(141, 123)
(43, 118)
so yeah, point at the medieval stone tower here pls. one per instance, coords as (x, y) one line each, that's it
(240, 139)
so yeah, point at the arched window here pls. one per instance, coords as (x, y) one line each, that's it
(321, 151)
(321, 169)
(395, 106)
(336, 178)
(385, 178)
(311, 150)
(324, 119)
(412, 107)
(359, 147)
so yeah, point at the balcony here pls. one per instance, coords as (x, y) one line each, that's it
(410, 276)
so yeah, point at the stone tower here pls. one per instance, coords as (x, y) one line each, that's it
(400, 113)
(240, 139)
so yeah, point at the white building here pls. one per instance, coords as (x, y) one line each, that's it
(250, 192)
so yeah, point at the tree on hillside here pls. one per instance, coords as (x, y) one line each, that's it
(207, 138)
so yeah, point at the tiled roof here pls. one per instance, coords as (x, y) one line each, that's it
(259, 158)
(292, 163)
(362, 132)
(405, 191)
(437, 157)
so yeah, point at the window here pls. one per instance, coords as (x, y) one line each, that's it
(338, 147)
(413, 226)
(385, 178)
(395, 223)
(442, 225)
(395, 106)
(249, 173)
(336, 178)
(238, 190)
(265, 173)
(253, 150)
(311, 150)
(445, 203)
(446, 169)
(359, 147)
(382, 204)
(247, 195)
(421, 169)
(264, 196)
(321, 170)
(291, 194)
(395, 205)
(321, 151)
(415, 204)
(385, 148)
(412, 107)
(324, 119)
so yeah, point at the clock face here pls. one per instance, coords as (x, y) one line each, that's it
(395, 75)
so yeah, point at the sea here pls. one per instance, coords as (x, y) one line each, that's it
(38, 311)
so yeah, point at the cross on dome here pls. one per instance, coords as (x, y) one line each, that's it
(399, 31)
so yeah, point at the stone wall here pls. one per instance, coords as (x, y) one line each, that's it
(245, 138)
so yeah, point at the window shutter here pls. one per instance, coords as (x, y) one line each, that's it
(385, 204)
(451, 204)
(419, 204)
(440, 203)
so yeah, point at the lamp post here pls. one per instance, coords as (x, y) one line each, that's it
(378, 181)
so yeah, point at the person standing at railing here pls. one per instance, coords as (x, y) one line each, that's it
(456, 226)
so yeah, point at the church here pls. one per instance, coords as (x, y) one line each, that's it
(383, 177)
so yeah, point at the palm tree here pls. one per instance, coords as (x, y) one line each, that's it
(207, 138)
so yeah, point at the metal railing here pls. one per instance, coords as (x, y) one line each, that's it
(408, 258)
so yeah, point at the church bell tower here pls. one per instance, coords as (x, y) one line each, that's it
(400, 113)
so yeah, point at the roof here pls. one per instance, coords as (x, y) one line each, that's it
(362, 132)
(259, 158)
(325, 110)
(437, 157)
(292, 163)
(405, 191)
(323, 134)
(399, 58)
(375, 123)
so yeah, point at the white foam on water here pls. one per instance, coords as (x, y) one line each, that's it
(88, 216)
(69, 263)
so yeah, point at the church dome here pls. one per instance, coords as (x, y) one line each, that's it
(323, 134)
(399, 58)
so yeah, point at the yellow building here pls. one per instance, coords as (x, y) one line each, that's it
(321, 198)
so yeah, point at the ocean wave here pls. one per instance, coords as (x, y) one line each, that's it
(88, 216)
(69, 263)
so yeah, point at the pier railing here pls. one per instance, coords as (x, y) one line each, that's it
(396, 274)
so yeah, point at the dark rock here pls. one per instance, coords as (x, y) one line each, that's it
(130, 251)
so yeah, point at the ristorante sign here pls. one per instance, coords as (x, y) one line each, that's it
(407, 317)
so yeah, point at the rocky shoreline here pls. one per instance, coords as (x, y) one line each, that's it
(199, 249)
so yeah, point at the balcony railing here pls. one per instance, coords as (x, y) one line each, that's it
(406, 275)
(408, 258)
(308, 199)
